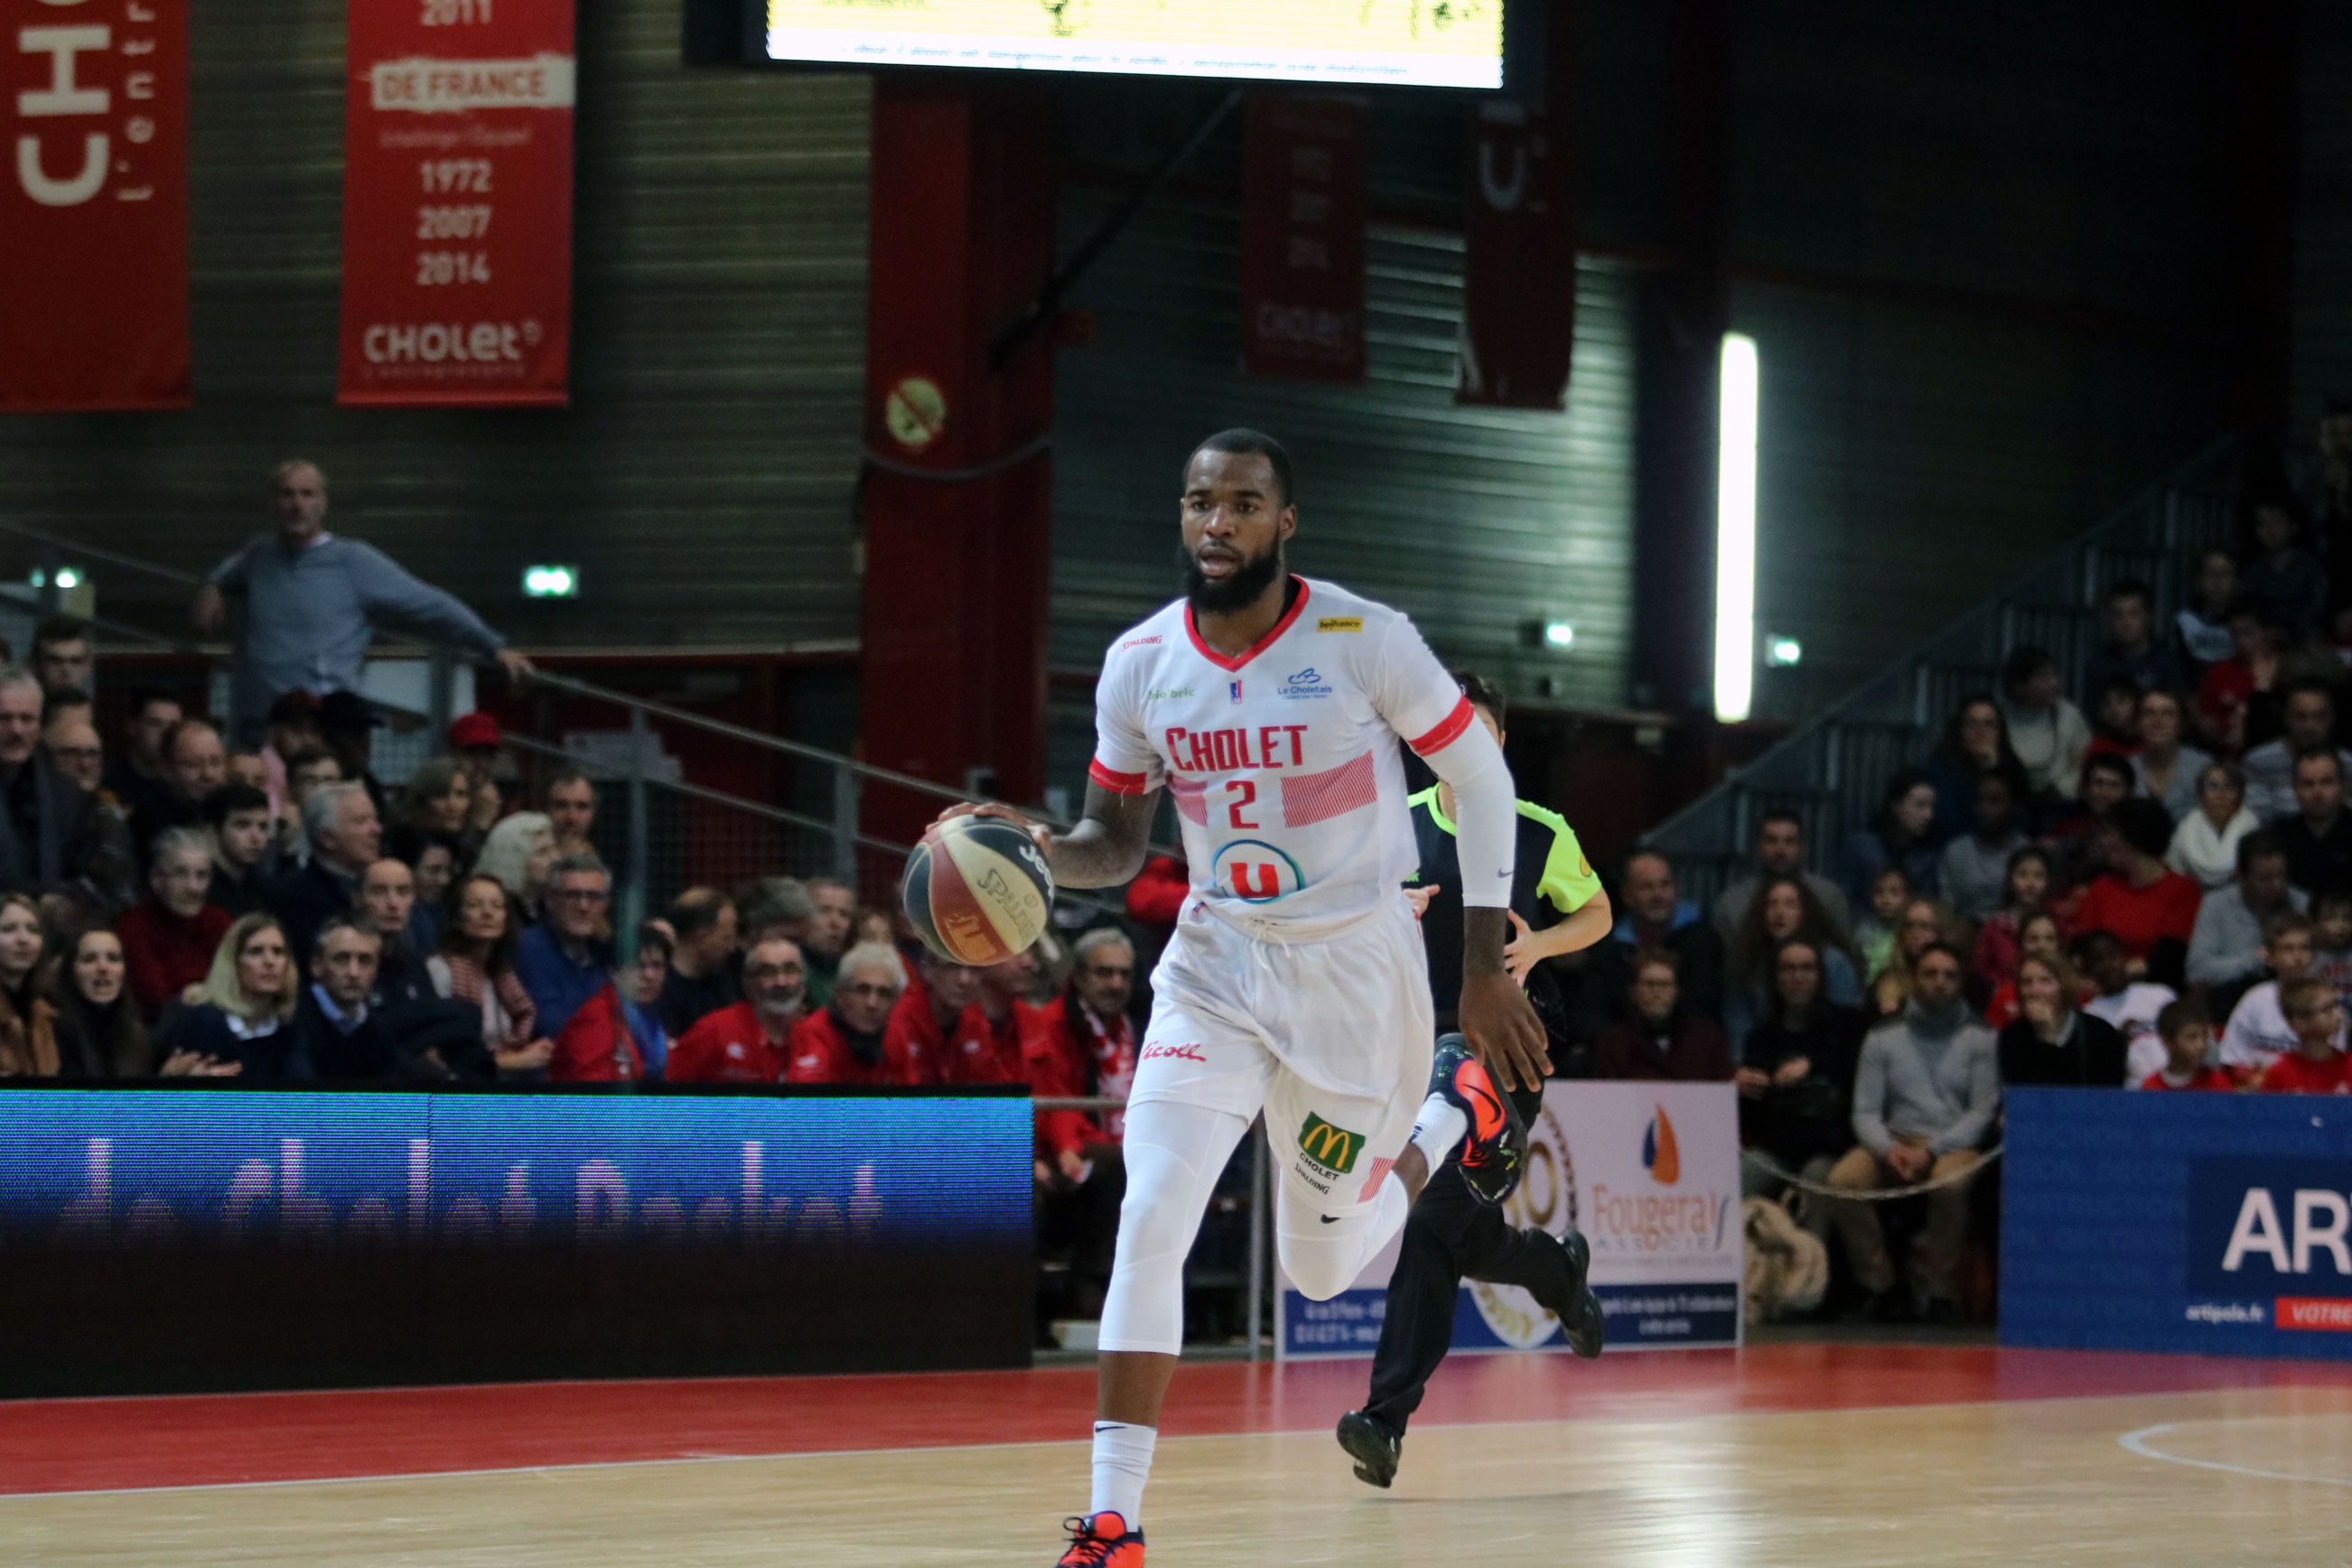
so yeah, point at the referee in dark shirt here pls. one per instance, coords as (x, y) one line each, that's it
(1556, 907)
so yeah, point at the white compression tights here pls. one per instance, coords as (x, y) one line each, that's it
(1174, 1155)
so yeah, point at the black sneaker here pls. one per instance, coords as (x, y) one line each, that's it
(1565, 1295)
(1493, 1148)
(1373, 1444)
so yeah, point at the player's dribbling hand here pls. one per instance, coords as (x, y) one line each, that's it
(1503, 1030)
(1042, 835)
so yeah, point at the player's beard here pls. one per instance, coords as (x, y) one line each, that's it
(1237, 592)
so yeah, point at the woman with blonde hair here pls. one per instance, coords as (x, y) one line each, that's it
(249, 996)
(1926, 923)
(518, 853)
(28, 1040)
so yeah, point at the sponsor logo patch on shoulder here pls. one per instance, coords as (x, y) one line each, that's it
(1340, 624)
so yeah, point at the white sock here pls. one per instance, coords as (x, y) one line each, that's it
(1122, 1464)
(1440, 1126)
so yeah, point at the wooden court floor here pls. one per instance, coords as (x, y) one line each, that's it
(1824, 1455)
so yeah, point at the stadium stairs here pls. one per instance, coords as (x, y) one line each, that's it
(1831, 770)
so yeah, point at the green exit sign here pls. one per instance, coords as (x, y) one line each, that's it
(550, 582)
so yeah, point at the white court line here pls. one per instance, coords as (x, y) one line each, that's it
(8, 1497)
(2137, 1442)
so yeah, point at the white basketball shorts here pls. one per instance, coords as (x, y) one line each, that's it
(1331, 1037)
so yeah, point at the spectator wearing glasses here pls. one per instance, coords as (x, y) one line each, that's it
(563, 960)
(935, 1016)
(2316, 1063)
(617, 1036)
(1976, 741)
(169, 937)
(313, 600)
(848, 1040)
(751, 1041)
(110, 870)
(477, 964)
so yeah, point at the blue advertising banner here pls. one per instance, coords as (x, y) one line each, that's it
(212, 1239)
(2213, 1223)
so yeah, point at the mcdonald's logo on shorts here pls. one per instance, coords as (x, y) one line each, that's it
(1333, 1148)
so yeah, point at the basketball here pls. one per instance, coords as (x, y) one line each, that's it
(977, 890)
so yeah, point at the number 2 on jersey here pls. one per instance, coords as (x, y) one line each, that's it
(1245, 792)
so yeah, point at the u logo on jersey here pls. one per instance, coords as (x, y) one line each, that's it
(1255, 872)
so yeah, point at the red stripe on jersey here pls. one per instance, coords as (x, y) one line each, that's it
(1191, 798)
(1297, 607)
(1116, 782)
(1446, 733)
(1309, 798)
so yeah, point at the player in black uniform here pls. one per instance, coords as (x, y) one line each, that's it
(1452, 1234)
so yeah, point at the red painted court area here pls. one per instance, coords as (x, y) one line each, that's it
(86, 1444)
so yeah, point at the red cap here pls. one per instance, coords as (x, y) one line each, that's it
(475, 728)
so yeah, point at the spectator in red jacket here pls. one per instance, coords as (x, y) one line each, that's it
(617, 1036)
(849, 1039)
(1657, 1039)
(750, 1042)
(2315, 1066)
(2147, 906)
(1084, 1045)
(935, 1019)
(998, 1050)
(169, 938)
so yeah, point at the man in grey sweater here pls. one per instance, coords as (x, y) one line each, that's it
(2225, 950)
(1924, 1097)
(313, 601)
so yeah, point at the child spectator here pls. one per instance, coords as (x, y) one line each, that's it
(2050, 1042)
(1975, 867)
(237, 816)
(2316, 1064)
(1873, 934)
(2260, 1031)
(2037, 937)
(2166, 771)
(2187, 1036)
(2131, 1005)
(1902, 837)
(2048, 732)
(2204, 845)
(2025, 888)
(2143, 903)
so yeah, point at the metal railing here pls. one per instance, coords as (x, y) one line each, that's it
(1833, 768)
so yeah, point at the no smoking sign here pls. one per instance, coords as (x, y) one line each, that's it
(915, 411)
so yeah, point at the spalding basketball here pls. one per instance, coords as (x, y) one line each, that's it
(977, 890)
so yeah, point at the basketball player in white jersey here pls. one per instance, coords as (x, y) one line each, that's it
(1270, 707)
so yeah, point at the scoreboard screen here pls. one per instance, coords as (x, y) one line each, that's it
(1403, 43)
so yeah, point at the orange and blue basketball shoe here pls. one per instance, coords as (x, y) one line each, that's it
(1101, 1540)
(1496, 1144)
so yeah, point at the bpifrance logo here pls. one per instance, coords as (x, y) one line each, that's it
(1659, 1155)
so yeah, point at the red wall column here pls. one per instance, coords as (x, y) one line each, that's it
(953, 664)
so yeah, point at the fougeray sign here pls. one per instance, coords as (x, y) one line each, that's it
(457, 202)
(2193, 1222)
(94, 204)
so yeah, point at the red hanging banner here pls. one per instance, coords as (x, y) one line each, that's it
(1518, 267)
(94, 205)
(1303, 239)
(457, 203)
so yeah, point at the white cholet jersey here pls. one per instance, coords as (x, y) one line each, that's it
(1282, 760)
